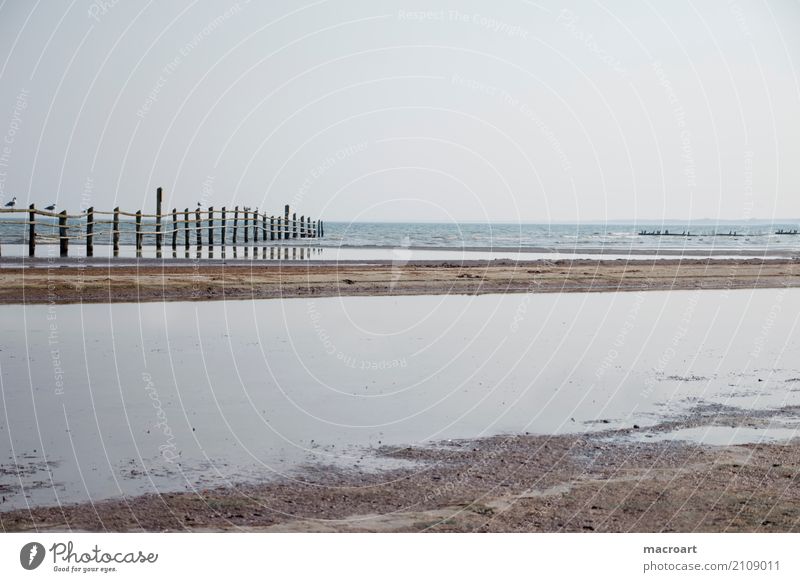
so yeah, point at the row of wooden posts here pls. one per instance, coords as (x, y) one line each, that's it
(266, 227)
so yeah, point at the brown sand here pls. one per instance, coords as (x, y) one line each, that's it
(606, 482)
(169, 282)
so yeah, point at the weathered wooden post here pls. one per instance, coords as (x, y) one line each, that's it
(174, 230)
(303, 226)
(186, 230)
(321, 229)
(315, 228)
(62, 233)
(222, 222)
(286, 222)
(198, 230)
(309, 234)
(235, 223)
(255, 226)
(90, 232)
(244, 223)
(115, 232)
(158, 221)
(210, 227)
(271, 228)
(138, 233)
(294, 225)
(31, 230)
(264, 227)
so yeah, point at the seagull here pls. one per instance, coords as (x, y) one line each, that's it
(51, 207)
(13, 203)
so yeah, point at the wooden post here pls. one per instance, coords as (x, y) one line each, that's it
(198, 232)
(186, 229)
(138, 232)
(294, 225)
(90, 232)
(115, 232)
(158, 221)
(309, 234)
(246, 232)
(271, 228)
(303, 226)
(174, 230)
(222, 232)
(31, 230)
(321, 229)
(62, 233)
(255, 226)
(286, 222)
(235, 223)
(315, 228)
(210, 227)
(264, 227)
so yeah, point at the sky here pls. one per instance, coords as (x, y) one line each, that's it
(381, 110)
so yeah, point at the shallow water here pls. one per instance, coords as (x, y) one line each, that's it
(100, 400)
(310, 251)
(728, 435)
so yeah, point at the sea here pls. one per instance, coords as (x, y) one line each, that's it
(619, 239)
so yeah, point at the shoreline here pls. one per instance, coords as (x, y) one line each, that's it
(606, 481)
(104, 282)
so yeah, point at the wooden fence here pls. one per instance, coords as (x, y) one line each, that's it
(236, 222)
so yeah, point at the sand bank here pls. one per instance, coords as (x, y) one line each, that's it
(152, 281)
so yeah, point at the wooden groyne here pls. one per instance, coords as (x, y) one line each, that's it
(243, 222)
(664, 233)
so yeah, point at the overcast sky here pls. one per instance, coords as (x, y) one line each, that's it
(530, 111)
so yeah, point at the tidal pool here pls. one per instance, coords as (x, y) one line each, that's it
(104, 400)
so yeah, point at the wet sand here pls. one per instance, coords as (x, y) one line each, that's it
(626, 479)
(97, 282)
(612, 481)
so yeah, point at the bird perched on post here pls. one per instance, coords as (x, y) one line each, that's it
(13, 203)
(51, 207)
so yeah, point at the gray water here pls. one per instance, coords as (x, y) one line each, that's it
(104, 400)
(564, 238)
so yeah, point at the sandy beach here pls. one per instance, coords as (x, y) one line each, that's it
(99, 281)
(610, 481)
(693, 433)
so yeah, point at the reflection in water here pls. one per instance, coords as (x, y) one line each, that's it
(222, 392)
(267, 253)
